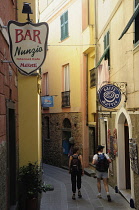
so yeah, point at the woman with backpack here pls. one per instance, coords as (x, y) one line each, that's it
(102, 161)
(76, 171)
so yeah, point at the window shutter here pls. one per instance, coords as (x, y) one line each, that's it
(66, 24)
(107, 38)
(62, 27)
(105, 42)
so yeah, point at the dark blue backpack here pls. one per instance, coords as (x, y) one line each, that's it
(102, 163)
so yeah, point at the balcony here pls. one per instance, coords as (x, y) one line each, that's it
(65, 99)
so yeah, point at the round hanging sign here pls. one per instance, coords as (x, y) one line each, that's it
(109, 96)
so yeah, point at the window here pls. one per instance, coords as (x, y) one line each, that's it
(92, 78)
(107, 47)
(66, 78)
(66, 87)
(136, 24)
(136, 3)
(64, 26)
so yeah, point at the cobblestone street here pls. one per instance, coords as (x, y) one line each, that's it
(60, 198)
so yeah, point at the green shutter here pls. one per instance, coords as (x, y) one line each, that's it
(105, 45)
(106, 40)
(64, 25)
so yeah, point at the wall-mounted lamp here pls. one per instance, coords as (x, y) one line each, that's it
(27, 10)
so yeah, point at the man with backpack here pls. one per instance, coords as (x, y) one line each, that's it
(102, 161)
(76, 171)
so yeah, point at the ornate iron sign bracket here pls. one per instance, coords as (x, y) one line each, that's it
(122, 86)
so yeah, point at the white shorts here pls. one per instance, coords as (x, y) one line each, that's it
(102, 175)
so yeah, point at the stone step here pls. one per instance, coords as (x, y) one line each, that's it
(90, 172)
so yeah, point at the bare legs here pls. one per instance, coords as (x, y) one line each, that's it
(105, 182)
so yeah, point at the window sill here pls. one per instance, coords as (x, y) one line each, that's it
(65, 107)
(64, 39)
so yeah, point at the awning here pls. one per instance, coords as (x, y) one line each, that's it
(105, 52)
(130, 21)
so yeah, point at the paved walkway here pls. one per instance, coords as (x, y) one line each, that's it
(60, 198)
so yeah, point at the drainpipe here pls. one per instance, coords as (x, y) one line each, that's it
(87, 90)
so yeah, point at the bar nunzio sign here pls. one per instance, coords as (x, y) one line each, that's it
(28, 43)
(109, 96)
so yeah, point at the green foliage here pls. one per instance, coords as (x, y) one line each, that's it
(30, 178)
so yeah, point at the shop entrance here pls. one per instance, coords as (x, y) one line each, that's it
(11, 154)
(127, 158)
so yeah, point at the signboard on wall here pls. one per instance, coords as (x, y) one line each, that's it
(47, 101)
(109, 96)
(28, 45)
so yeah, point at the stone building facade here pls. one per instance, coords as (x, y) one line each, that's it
(8, 113)
(61, 126)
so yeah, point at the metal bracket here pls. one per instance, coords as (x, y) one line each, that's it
(6, 61)
(122, 86)
(1, 27)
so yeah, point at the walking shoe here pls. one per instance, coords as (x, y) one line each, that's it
(99, 196)
(73, 196)
(109, 198)
(79, 194)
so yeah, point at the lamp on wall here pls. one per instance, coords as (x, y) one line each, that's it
(27, 10)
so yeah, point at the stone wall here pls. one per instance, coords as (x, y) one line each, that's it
(52, 147)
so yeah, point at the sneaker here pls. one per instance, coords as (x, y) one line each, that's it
(99, 196)
(109, 198)
(73, 197)
(79, 194)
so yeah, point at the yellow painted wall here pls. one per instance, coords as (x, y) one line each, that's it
(77, 51)
(88, 36)
(67, 51)
(30, 146)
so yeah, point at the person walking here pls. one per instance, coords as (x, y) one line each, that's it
(76, 171)
(102, 161)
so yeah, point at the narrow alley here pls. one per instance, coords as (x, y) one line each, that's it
(60, 198)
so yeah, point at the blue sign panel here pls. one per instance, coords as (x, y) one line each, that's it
(109, 96)
(47, 101)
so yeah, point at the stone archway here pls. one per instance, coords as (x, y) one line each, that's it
(122, 117)
(66, 134)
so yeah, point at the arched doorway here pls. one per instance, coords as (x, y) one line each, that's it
(66, 134)
(127, 158)
(124, 172)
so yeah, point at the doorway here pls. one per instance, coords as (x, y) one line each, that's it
(124, 172)
(11, 155)
(127, 158)
(92, 143)
(66, 147)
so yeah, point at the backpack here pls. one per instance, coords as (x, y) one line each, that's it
(102, 163)
(75, 164)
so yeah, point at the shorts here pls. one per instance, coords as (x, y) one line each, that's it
(102, 175)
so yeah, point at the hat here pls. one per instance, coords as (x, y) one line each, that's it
(100, 147)
(71, 140)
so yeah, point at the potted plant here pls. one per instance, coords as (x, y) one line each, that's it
(31, 184)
